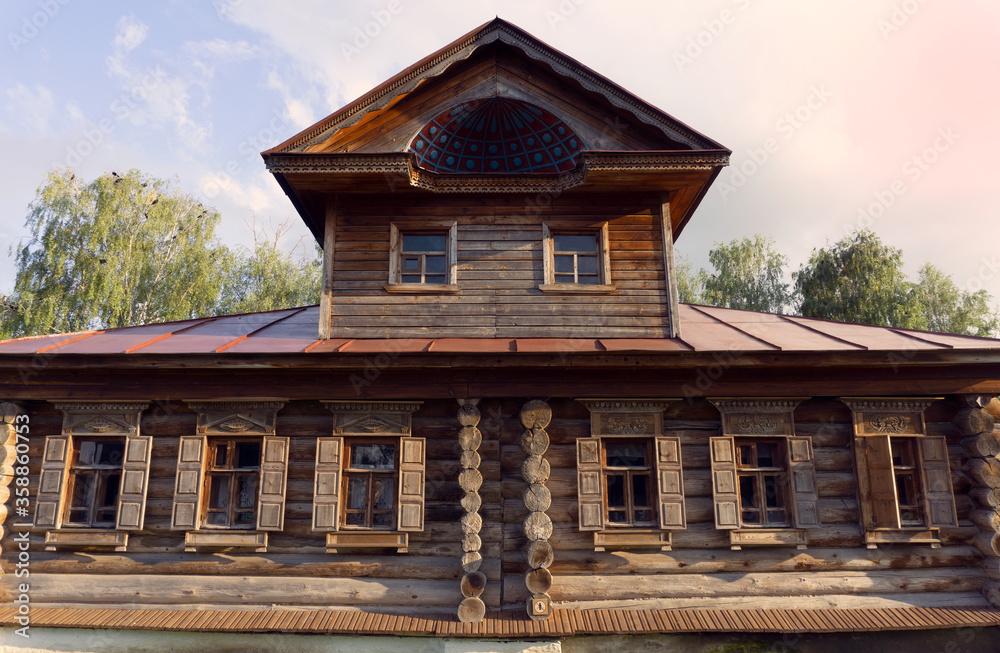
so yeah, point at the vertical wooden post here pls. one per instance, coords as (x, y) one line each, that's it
(470, 479)
(535, 416)
(329, 244)
(8, 457)
(669, 272)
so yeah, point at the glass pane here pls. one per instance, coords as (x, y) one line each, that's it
(411, 264)
(616, 490)
(766, 455)
(586, 264)
(410, 278)
(776, 517)
(564, 264)
(247, 454)
(434, 265)
(84, 488)
(904, 489)
(643, 515)
(373, 456)
(383, 492)
(748, 492)
(245, 518)
(625, 454)
(88, 453)
(108, 453)
(217, 519)
(640, 490)
(424, 242)
(78, 516)
(247, 488)
(575, 243)
(106, 515)
(109, 497)
(434, 279)
(749, 517)
(218, 491)
(772, 491)
(588, 280)
(564, 278)
(357, 492)
(617, 516)
(221, 456)
(745, 452)
(355, 519)
(382, 519)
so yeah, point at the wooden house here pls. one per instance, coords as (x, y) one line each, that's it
(499, 422)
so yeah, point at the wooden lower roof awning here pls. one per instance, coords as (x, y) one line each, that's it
(514, 624)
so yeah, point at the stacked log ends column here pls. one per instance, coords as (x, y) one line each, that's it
(8, 456)
(472, 608)
(979, 439)
(535, 416)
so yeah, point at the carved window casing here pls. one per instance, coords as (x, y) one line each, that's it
(231, 477)
(763, 476)
(575, 258)
(629, 481)
(370, 476)
(904, 481)
(94, 477)
(423, 257)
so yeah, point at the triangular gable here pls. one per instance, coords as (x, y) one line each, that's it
(675, 134)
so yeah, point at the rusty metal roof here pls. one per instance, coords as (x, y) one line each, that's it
(291, 331)
(515, 624)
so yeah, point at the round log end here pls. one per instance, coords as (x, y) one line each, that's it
(540, 554)
(471, 542)
(537, 498)
(470, 480)
(536, 413)
(538, 581)
(535, 469)
(471, 460)
(472, 522)
(534, 442)
(538, 526)
(472, 561)
(473, 584)
(472, 501)
(471, 610)
(469, 438)
(468, 415)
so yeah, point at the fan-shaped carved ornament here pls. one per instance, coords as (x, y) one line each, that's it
(890, 424)
(237, 425)
(101, 425)
(757, 423)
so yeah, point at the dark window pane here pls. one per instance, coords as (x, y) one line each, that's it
(383, 492)
(84, 488)
(910, 516)
(588, 280)
(355, 519)
(247, 488)
(424, 242)
(745, 452)
(110, 453)
(217, 519)
(410, 278)
(765, 455)
(357, 492)
(220, 456)
(411, 264)
(110, 494)
(373, 456)
(625, 454)
(434, 265)
(564, 278)
(245, 518)
(586, 264)
(78, 516)
(248, 454)
(218, 491)
(382, 519)
(434, 279)
(772, 491)
(643, 515)
(750, 517)
(88, 453)
(575, 243)
(776, 517)
(640, 490)
(106, 516)
(564, 264)
(748, 492)
(617, 516)
(616, 490)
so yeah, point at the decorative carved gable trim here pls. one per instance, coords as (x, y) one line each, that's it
(623, 417)
(100, 418)
(236, 417)
(373, 418)
(757, 416)
(888, 415)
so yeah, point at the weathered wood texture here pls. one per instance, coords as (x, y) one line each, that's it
(499, 269)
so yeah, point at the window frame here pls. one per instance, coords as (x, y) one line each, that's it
(628, 491)
(759, 473)
(448, 228)
(212, 471)
(349, 472)
(549, 284)
(76, 470)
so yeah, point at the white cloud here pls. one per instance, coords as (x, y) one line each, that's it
(130, 34)
(222, 50)
(33, 108)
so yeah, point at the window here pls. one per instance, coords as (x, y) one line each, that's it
(629, 481)
(763, 477)
(904, 481)
(369, 479)
(422, 257)
(94, 476)
(575, 258)
(230, 489)
(94, 480)
(231, 483)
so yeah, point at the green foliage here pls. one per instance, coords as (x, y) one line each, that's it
(130, 249)
(947, 309)
(859, 279)
(747, 274)
(688, 281)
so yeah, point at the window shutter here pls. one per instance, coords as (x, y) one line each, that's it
(671, 482)
(411, 484)
(52, 481)
(939, 499)
(326, 494)
(135, 480)
(273, 477)
(802, 473)
(590, 483)
(727, 500)
(876, 482)
(187, 491)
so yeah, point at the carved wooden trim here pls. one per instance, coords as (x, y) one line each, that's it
(765, 417)
(628, 418)
(472, 609)
(236, 417)
(632, 539)
(535, 416)
(195, 540)
(373, 418)
(346, 539)
(101, 418)
(69, 539)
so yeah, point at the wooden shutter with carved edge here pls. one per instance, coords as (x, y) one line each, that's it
(273, 479)
(590, 483)
(802, 477)
(412, 467)
(939, 499)
(326, 492)
(727, 501)
(48, 508)
(135, 481)
(670, 483)
(187, 491)
(876, 482)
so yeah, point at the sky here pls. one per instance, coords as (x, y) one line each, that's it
(841, 115)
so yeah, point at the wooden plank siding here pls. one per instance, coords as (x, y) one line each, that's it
(499, 269)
